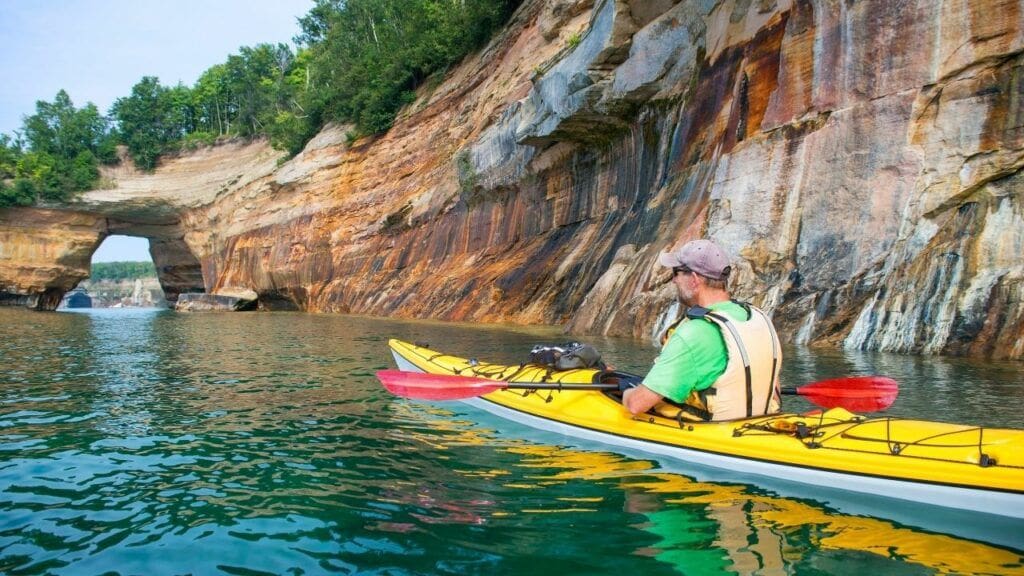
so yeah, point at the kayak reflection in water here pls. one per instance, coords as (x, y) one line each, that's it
(721, 361)
(699, 528)
(708, 528)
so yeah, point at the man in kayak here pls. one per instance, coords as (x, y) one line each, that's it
(721, 361)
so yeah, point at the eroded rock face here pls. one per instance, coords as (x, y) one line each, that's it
(861, 161)
(45, 253)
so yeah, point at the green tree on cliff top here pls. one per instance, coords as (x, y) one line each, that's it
(13, 192)
(247, 96)
(145, 122)
(370, 55)
(63, 148)
(360, 62)
(10, 152)
(19, 193)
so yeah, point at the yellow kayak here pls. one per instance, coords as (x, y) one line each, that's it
(951, 465)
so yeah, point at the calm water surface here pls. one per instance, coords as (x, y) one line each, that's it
(150, 442)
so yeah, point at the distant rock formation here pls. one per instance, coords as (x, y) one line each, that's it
(862, 161)
(78, 298)
(142, 292)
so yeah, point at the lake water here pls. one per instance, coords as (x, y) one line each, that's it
(152, 442)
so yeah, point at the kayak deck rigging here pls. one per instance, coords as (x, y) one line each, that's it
(816, 436)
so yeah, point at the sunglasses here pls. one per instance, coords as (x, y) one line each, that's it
(680, 270)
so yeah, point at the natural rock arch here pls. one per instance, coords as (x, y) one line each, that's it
(46, 252)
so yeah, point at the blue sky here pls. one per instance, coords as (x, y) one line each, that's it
(97, 50)
(122, 249)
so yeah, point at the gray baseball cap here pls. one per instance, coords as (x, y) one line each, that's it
(702, 256)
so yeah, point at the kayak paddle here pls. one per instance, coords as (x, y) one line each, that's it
(421, 386)
(854, 393)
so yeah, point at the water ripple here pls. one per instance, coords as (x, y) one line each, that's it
(151, 442)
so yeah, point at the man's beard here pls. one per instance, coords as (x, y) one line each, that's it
(686, 297)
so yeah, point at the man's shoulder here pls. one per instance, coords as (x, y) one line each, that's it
(696, 329)
(729, 308)
(732, 309)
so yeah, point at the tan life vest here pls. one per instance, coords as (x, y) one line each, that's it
(749, 386)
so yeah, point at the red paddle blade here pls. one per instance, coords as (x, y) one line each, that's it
(855, 393)
(420, 386)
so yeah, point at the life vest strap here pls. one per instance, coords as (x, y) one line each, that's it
(723, 321)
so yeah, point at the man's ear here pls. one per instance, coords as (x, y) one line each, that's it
(695, 280)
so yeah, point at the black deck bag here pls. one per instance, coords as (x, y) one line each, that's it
(567, 356)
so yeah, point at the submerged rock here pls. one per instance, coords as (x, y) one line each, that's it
(213, 303)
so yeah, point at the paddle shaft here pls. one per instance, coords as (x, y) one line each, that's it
(860, 400)
(560, 386)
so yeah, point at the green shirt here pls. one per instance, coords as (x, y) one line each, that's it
(694, 356)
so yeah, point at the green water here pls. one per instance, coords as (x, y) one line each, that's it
(150, 442)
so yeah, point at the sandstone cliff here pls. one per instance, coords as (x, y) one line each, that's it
(862, 161)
